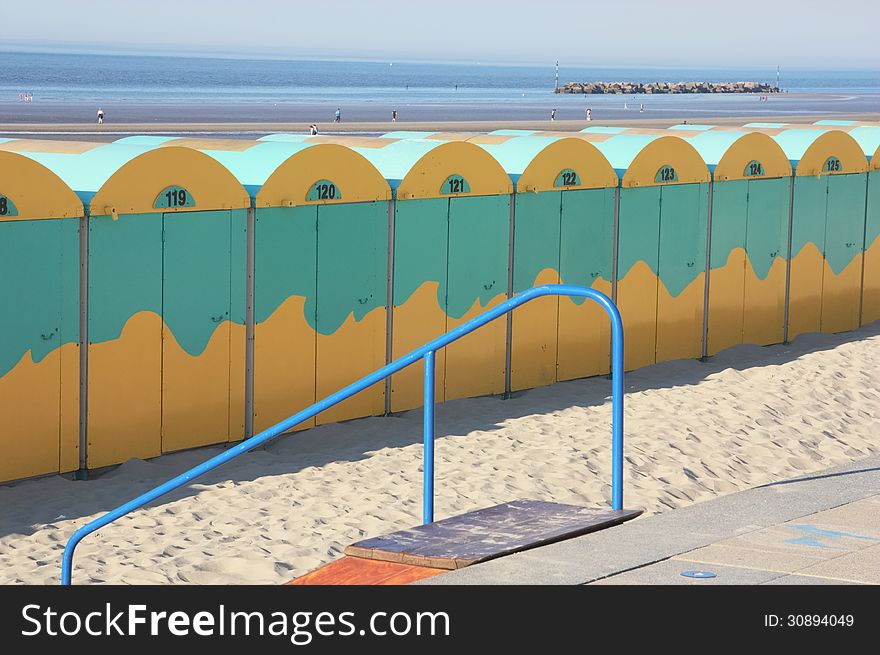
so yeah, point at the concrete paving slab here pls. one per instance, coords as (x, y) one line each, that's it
(663, 536)
(859, 566)
(861, 517)
(805, 580)
(669, 572)
(751, 558)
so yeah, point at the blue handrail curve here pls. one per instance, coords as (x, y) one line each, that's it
(427, 352)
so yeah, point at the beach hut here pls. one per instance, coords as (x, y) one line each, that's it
(320, 232)
(166, 300)
(563, 232)
(751, 185)
(661, 242)
(321, 260)
(827, 227)
(867, 135)
(451, 249)
(39, 328)
(451, 222)
(451, 235)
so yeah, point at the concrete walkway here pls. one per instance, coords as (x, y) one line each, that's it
(823, 528)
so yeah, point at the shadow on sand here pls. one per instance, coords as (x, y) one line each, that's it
(356, 439)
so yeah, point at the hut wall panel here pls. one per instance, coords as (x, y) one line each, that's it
(479, 230)
(766, 244)
(586, 259)
(844, 243)
(637, 266)
(38, 342)
(285, 292)
(351, 295)
(727, 267)
(125, 338)
(421, 260)
(535, 261)
(871, 292)
(807, 261)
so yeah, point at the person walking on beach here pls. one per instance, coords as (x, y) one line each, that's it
(338, 117)
(100, 116)
(589, 114)
(313, 129)
(393, 115)
(552, 114)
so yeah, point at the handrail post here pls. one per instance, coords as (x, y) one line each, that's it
(617, 374)
(428, 436)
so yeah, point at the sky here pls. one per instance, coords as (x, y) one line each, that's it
(643, 33)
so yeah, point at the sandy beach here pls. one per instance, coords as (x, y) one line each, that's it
(110, 131)
(694, 430)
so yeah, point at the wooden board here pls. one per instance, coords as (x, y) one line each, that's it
(357, 571)
(485, 534)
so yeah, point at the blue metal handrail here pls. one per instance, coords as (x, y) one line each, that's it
(426, 352)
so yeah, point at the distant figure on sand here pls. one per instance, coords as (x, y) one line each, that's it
(393, 115)
(313, 129)
(338, 118)
(552, 114)
(589, 114)
(100, 116)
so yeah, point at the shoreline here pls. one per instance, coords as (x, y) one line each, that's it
(362, 127)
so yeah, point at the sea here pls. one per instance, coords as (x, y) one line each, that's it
(71, 87)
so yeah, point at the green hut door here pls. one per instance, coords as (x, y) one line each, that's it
(637, 267)
(37, 259)
(479, 229)
(586, 258)
(536, 241)
(682, 262)
(421, 250)
(766, 244)
(844, 237)
(871, 289)
(196, 316)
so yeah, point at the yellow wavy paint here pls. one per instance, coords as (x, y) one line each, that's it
(40, 433)
(726, 300)
(475, 363)
(637, 302)
(201, 403)
(742, 307)
(584, 337)
(534, 338)
(764, 305)
(356, 349)
(871, 290)
(841, 297)
(680, 321)
(284, 365)
(805, 291)
(125, 393)
(819, 300)
(417, 321)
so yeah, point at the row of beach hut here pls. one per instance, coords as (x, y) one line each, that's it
(163, 293)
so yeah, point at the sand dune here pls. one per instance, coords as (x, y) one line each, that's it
(694, 430)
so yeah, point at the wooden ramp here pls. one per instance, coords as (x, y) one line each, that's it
(408, 555)
(359, 571)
